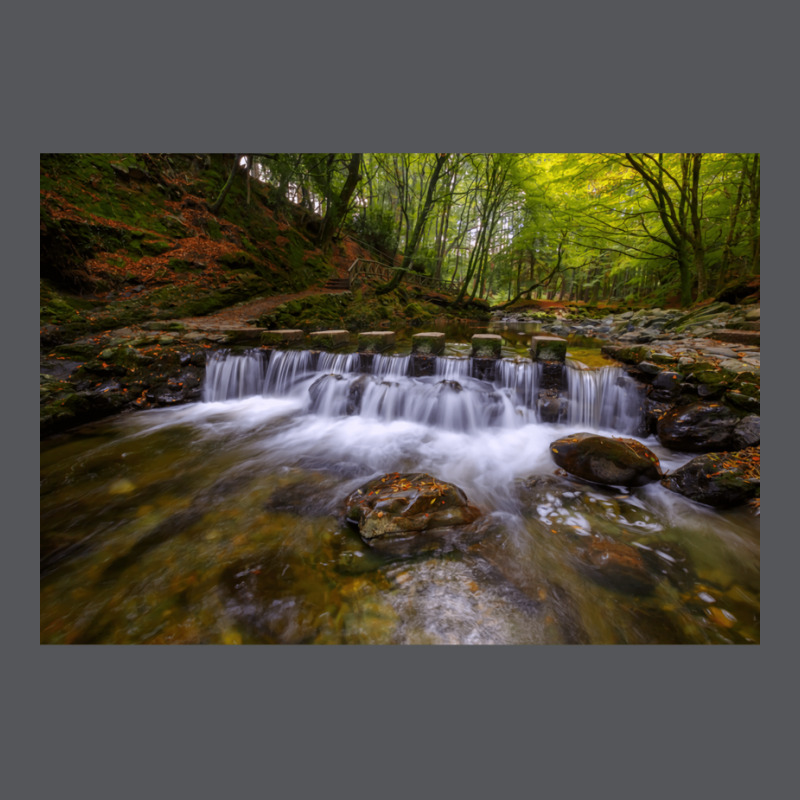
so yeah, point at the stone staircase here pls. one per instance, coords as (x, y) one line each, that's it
(748, 332)
(336, 284)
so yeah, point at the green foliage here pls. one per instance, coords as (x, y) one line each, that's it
(377, 229)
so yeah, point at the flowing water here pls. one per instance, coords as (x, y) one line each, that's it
(221, 521)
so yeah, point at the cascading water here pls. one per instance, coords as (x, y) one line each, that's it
(333, 384)
(221, 521)
(604, 398)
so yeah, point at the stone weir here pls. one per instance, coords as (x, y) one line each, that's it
(547, 352)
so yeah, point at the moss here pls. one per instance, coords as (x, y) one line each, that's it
(213, 230)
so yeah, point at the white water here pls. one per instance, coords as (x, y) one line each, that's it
(266, 424)
(450, 399)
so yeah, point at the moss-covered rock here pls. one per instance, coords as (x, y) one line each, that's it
(429, 343)
(721, 480)
(548, 348)
(486, 345)
(601, 459)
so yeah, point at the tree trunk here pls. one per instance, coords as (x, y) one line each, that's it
(337, 207)
(217, 204)
(411, 248)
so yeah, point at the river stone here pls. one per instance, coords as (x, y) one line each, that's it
(616, 566)
(747, 432)
(610, 461)
(718, 479)
(699, 428)
(648, 368)
(405, 513)
(667, 382)
(261, 596)
(743, 401)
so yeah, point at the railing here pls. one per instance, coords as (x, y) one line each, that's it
(363, 269)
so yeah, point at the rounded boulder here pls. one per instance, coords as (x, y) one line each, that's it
(606, 460)
(408, 512)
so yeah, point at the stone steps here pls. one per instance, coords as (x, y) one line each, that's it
(337, 285)
(737, 337)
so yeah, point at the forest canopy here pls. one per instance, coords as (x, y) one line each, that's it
(657, 228)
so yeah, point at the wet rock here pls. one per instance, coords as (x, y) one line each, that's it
(320, 387)
(648, 368)
(616, 566)
(404, 513)
(747, 432)
(669, 560)
(721, 480)
(484, 369)
(743, 401)
(264, 597)
(550, 407)
(356, 393)
(666, 385)
(699, 428)
(610, 461)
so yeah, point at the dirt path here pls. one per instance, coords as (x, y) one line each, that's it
(237, 316)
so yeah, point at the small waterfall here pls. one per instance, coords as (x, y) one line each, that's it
(234, 377)
(285, 370)
(390, 366)
(521, 377)
(453, 368)
(604, 398)
(339, 363)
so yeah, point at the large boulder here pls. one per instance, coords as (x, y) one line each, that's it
(404, 513)
(707, 427)
(721, 480)
(601, 459)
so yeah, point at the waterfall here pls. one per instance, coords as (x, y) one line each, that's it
(234, 377)
(521, 377)
(453, 368)
(332, 384)
(390, 366)
(604, 398)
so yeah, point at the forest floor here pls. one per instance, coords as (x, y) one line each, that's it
(244, 315)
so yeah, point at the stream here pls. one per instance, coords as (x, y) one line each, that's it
(221, 521)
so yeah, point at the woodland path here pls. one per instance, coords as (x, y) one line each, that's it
(235, 317)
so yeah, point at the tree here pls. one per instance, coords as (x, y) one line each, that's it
(338, 203)
(413, 242)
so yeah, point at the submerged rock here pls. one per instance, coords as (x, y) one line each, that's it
(721, 480)
(601, 459)
(705, 427)
(616, 566)
(409, 512)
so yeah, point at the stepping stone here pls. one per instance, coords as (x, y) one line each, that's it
(376, 341)
(282, 337)
(430, 343)
(486, 345)
(329, 340)
(548, 348)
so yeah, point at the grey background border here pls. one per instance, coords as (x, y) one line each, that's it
(194, 721)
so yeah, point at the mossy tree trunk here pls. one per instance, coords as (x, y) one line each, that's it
(217, 204)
